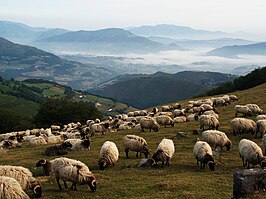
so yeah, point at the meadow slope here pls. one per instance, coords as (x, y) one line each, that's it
(182, 179)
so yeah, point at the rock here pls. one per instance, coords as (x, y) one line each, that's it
(248, 182)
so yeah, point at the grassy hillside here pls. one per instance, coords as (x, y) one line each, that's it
(183, 179)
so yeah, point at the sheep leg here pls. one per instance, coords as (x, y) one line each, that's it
(243, 162)
(126, 151)
(167, 162)
(137, 154)
(74, 187)
(162, 164)
(65, 184)
(59, 185)
(142, 129)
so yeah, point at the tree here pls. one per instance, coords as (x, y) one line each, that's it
(61, 111)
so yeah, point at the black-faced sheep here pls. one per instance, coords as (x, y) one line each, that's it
(250, 153)
(135, 143)
(47, 166)
(203, 154)
(108, 155)
(58, 149)
(164, 152)
(11, 189)
(166, 108)
(24, 178)
(164, 120)
(260, 128)
(217, 139)
(149, 123)
(243, 125)
(178, 112)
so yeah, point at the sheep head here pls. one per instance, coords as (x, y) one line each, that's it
(228, 145)
(41, 163)
(102, 164)
(36, 188)
(92, 183)
(145, 150)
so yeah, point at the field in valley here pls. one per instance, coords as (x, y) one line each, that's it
(182, 179)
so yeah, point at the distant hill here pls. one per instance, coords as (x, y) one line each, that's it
(176, 32)
(24, 62)
(143, 91)
(234, 51)
(104, 40)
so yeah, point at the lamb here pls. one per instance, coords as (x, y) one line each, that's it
(243, 125)
(58, 149)
(217, 138)
(255, 109)
(99, 127)
(11, 189)
(149, 123)
(203, 154)
(81, 145)
(250, 153)
(135, 143)
(264, 144)
(180, 119)
(23, 176)
(260, 128)
(74, 171)
(164, 152)
(209, 120)
(164, 120)
(242, 109)
(108, 155)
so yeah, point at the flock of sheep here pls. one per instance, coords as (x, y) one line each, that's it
(14, 180)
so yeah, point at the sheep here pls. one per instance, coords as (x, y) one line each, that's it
(192, 117)
(255, 109)
(126, 126)
(206, 107)
(99, 127)
(47, 166)
(180, 119)
(58, 149)
(166, 108)
(242, 109)
(11, 189)
(23, 176)
(108, 155)
(81, 145)
(135, 143)
(250, 153)
(155, 110)
(243, 125)
(217, 138)
(164, 152)
(178, 112)
(56, 139)
(261, 117)
(164, 120)
(175, 106)
(144, 162)
(233, 98)
(130, 114)
(74, 171)
(264, 144)
(149, 123)
(143, 113)
(218, 101)
(38, 140)
(209, 120)
(260, 128)
(5, 144)
(211, 112)
(203, 154)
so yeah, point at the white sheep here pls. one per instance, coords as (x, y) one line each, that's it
(24, 178)
(192, 117)
(166, 108)
(130, 114)
(255, 109)
(211, 112)
(40, 140)
(164, 152)
(250, 153)
(217, 139)
(11, 189)
(243, 125)
(206, 107)
(264, 144)
(242, 109)
(203, 154)
(261, 117)
(179, 112)
(81, 145)
(135, 143)
(74, 171)
(175, 106)
(54, 139)
(209, 120)
(260, 128)
(180, 119)
(149, 123)
(233, 98)
(99, 127)
(164, 120)
(108, 155)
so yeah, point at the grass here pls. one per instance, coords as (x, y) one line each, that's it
(182, 179)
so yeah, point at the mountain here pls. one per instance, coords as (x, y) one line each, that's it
(24, 62)
(143, 91)
(114, 40)
(176, 32)
(234, 51)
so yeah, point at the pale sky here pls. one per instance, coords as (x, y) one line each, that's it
(220, 15)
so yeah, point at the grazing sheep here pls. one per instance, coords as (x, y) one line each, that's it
(233, 98)
(250, 153)
(243, 109)
(264, 144)
(260, 128)
(211, 112)
(178, 112)
(206, 107)
(166, 108)
(261, 117)
(11, 189)
(218, 101)
(209, 120)
(135, 143)
(130, 114)
(192, 117)
(164, 120)
(164, 152)
(180, 119)
(255, 109)
(74, 171)
(217, 138)
(47, 166)
(99, 127)
(149, 123)
(58, 149)
(81, 145)
(23, 176)
(203, 154)
(243, 125)
(108, 155)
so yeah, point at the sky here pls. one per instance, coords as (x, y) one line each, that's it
(215, 15)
